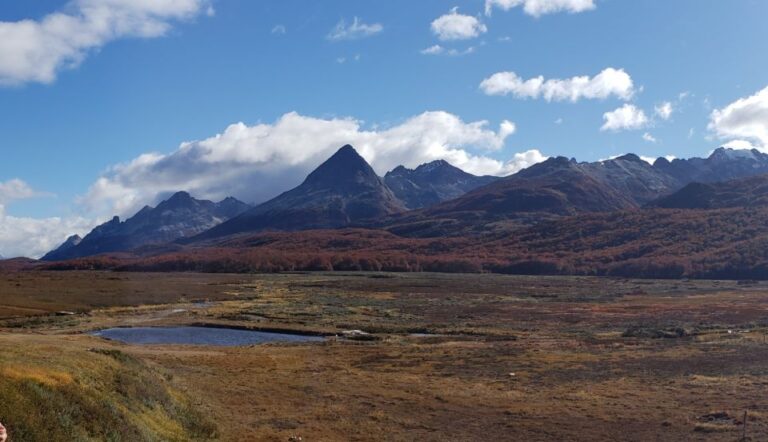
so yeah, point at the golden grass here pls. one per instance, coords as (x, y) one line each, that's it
(56, 388)
(575, 376)
(47, 377)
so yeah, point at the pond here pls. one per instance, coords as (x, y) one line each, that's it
(224, 337)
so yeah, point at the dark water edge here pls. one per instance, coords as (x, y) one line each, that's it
(190, 335)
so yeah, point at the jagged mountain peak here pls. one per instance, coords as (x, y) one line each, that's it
(547, 166)
(728, 154)
(73, 240)
(630, 157)
(178, 200)
(345, 167)
(432, 183)
(434, 165)
(179, 216)
(341, 191)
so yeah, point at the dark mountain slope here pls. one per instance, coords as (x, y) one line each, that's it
(553, 188)
(341, 191)
(178, 217)
(561, 187)
(722, 165)
(557, 185)
(743, 192)
(432, 183)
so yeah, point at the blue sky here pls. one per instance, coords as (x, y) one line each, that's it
(228, 61)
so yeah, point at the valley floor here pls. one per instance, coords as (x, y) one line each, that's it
(455, 357)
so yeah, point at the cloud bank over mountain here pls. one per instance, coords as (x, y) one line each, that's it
(744, 122)
(255, 163)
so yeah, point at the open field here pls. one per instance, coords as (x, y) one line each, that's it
(455, 357)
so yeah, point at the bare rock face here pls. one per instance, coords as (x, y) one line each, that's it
(432, 183)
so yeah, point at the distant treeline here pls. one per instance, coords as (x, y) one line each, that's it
(660, 243)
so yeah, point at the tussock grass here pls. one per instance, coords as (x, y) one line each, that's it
(56, 389)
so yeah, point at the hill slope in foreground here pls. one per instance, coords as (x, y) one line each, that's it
(655, 243)
(54, 389)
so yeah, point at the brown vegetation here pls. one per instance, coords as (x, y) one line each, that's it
(533, 358)
(659, 243)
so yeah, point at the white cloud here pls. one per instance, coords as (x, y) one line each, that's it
(440, 50)
(609, 82)
(741, 145)
(664, 110)
(279, 30)
(257, 162)
(37, 50)
(356, 30)
(28, 236)
(649, 138)
(522, 161)
(433, 50)
(745, 119)
(455, 26)
(538, 8)
(651, 160)
(627, 117)
(647, 159)
(33, 237)
(16, 189)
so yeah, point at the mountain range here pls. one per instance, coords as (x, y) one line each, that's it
(432, 183)
(509, 218)
(341, 191)
(564, 187)
(177, 217)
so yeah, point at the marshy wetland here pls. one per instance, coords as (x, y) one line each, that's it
(404, 357)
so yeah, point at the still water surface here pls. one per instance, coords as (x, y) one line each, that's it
(198, 336)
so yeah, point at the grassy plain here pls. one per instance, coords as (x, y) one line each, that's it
(455, 357)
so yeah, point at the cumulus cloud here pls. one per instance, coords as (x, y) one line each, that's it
(627, 117)
(356, 30)
(538, 8)
(647, 159)
(741, 145)
(649, 138)
(16, 189)
(455, 26)
(664, 110)
(433, 50)
(37, 50)
(257, 162)
(28, 236)
(440, 50)
(33, 237)
(522, 160)
(609, 82)
(745, 120)
(651, 160)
